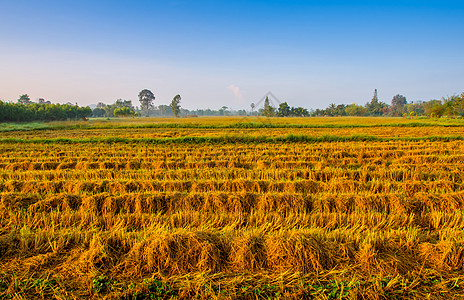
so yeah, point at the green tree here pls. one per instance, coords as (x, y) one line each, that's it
(397, 107)
(98, 112)
(15, 112)
(223, 111)
(376, 107)
(299, 112)
(175, 107)
(146, 99)
(330, 111)
(340, 110)
(164, 110)
(355, 110)
(459, 105)
(434, 108)
(123, 112)
(415, 109)
(24, 99)
(268, 109)
(124, 103)
(284, 110)
(454, 105)
(84, 112)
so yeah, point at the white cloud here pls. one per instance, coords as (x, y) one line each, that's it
(237, 93)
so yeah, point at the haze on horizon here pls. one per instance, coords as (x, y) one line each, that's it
(215, 53)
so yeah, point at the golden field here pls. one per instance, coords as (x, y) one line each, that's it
(233, 208)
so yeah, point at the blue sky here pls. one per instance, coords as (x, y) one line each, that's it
(215, 53)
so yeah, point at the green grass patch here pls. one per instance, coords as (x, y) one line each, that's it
(245, 124)
(6, 127)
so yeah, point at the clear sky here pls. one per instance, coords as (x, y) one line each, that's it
(215, 53)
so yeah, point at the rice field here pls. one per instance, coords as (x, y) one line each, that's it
(226, 208)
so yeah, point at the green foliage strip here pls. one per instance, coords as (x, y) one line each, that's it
(235, 139)
(244, 125)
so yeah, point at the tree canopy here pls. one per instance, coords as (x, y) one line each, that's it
(397, 105)
(15, 112)
(146, 99)
(175, 107)
(268, 109)
(120, 108)
(24, 99)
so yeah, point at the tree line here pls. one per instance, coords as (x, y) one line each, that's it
(450, 106)
(27, 111)
(124, 108)
(146, 98)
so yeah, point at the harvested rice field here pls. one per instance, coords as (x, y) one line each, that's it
(233, 208)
